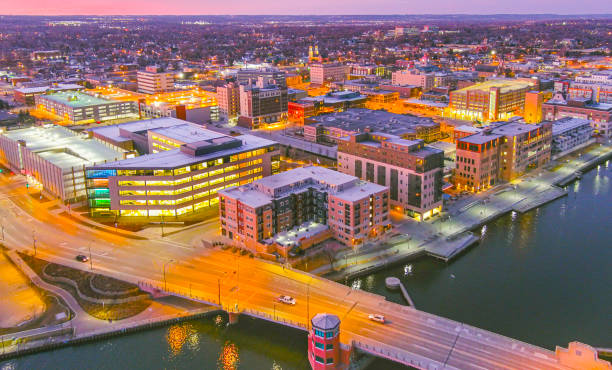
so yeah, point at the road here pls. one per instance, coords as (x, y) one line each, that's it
(246, 283)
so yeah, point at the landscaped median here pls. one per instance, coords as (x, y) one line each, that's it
(100, 296)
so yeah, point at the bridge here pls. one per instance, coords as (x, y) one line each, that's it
(248, 286)
(242, 285)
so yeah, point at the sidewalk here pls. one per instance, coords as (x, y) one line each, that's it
(82, 326)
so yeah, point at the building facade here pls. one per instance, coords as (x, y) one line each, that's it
(321, 73)
(412, 171)
(261, 105)
(493, 100)
(254, 215)
(425, 81)
(600, 114)
(179, 182)
(570, 134)
(152, 80)
(56, 157)
(76, 108)
(533, 106)
(501, 152)
(228, 97)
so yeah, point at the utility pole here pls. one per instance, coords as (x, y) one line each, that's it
(34, 241)
(308, 305)
(165, 283)
(219, 285)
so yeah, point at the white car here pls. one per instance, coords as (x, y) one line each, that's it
(287, 300)
(376, 317)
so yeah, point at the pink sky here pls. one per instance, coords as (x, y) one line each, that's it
(124, 7)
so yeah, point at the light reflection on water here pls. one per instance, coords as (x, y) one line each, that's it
(229, 358)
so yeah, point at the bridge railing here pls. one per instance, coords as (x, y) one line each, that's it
(395, 354)
(275, 318)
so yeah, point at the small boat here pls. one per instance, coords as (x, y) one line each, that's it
(452, 276)
(408, 270)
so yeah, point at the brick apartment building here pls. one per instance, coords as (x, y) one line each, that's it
(287, 210)
(412, 171)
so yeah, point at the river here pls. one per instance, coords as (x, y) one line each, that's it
(542, 277)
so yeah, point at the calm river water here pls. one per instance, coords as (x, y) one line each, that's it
(543, 277)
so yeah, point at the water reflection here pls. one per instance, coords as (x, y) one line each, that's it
(228, 358)
(179, 335)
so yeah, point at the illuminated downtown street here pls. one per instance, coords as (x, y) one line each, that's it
(248, 284)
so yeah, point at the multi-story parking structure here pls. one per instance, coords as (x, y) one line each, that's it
(180, 182)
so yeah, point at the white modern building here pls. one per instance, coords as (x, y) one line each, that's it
(570, 134)
(74, 107)
(56, 158)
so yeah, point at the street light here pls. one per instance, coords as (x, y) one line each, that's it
(90, 259)
(34, 241)
(165, 283)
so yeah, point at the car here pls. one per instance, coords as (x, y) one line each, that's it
(287, 300)
(82, 258)
(377, 317)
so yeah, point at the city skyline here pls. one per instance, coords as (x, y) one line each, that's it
(318, 7)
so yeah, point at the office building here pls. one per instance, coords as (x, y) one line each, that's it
(493, 100)
(228, 98)
(77, 108)
(569, 134)
(269, 76)
(425, 81)
(179, 182)
(501, 152)
(152, 80)
(56, 158)
(288, 210)
(262, 105)
(337, 101)
(411, 170)
(322, 73)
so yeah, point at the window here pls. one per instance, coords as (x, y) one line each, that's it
(329, 347)
(329, 361)
(319, 345)
(319, 360)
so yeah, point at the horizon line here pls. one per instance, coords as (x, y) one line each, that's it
(306, 15)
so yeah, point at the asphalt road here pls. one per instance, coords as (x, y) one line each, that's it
(247, 283)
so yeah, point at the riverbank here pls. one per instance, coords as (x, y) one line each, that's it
(455, 230)
(82, 327)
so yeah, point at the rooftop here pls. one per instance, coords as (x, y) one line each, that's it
(568, 123)
(76, 99)
(504, 85)
(360, 119)
(176, 158)
(187, 133)
(114, 131)
(361, 190)
(325, 321)
(261, 192)
(293, 236)
(65, 148)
